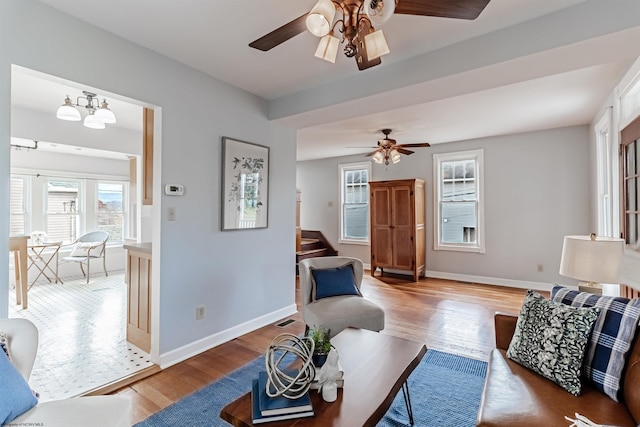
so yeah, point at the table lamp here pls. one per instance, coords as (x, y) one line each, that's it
(591, 260)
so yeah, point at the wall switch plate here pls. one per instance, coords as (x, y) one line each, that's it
(200, 312)
(171, 214)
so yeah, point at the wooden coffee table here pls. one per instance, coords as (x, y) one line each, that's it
(376, 368)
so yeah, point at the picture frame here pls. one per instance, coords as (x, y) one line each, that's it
(245, 185)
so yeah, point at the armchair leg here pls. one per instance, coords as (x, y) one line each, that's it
(88, 269)
(82, 269)
(104, 265)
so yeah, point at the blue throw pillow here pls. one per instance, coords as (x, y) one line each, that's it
(16, 397)
(331, 282)
(611, 339)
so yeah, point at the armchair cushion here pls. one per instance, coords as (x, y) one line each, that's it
(551, 339)
(611, 340)
(81, 249)
(334, 281)
(16, 397)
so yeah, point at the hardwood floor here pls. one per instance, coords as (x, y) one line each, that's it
(449, 316)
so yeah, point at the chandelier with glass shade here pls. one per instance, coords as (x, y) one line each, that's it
(97, 113)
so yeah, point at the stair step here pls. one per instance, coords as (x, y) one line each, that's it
(311, 253)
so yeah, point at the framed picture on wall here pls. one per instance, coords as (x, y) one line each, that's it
(245, 185)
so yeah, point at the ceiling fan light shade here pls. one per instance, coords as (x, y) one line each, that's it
(378, 157)
(68, 112)
(104, 113)
(93, 123)
(395, 156)
(328, 48)
(321, 17)
(379, 11)
(376, 45)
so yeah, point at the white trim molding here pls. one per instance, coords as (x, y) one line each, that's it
(194, 348)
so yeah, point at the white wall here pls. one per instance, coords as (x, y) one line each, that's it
(536, 191)
(243, 278)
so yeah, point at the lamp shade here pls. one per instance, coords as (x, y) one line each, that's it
(321, 17)
(379, 11)
(591, 259)
(376, 45)
(395, 156)
(68, 112)
(328, 48)
(93, 123)
(378, 157)
(104, 114)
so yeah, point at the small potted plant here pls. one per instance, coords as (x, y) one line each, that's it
(321, 337)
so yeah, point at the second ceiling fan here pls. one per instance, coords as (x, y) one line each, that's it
(389, 150)
(356, 24)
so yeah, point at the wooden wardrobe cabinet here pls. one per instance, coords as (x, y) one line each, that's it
(397, 226)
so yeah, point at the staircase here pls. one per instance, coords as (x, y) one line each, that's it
(314, 244)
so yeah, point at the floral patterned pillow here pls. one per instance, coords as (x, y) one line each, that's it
(551, 338)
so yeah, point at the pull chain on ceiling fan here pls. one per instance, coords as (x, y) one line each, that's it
(389, 150)
(356, 23)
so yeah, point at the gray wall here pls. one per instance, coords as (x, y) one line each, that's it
(243, 278)
(537, 189)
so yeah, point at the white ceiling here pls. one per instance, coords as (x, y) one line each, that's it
(213, 37)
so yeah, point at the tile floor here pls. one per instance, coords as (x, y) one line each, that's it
(82, 331)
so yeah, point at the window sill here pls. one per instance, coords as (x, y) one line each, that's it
(353, 242)
(471, 249)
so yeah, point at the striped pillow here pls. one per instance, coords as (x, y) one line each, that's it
(611, 339)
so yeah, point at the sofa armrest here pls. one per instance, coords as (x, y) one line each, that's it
(505, 327)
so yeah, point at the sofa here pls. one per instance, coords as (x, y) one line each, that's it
(517, 396)
(22, 344)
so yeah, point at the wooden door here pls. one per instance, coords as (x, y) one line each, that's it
(402, 227)
(381, 228)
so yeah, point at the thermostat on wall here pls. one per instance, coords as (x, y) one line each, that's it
(174, 190)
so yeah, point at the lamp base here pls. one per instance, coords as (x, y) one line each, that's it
(591, 287)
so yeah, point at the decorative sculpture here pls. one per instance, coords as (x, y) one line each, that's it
(327, 377)
(283, 350)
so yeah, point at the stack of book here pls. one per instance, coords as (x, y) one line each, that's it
(266, 409)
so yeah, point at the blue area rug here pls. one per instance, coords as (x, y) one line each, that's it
(445, 391)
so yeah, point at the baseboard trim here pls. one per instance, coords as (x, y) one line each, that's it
(192, 349)
(521, 284)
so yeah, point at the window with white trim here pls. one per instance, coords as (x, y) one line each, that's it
(459, 207)
(110, 210)
(354, 202)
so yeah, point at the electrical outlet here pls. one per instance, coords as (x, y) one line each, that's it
(200, 312)
(540, 268)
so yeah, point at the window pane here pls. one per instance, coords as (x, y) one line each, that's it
(17, 211)
(631, 194)
(111, 201)
(356, 220)
(456, 217)
(62, 211)
(631, 156)
(470, 169)
(447, 170)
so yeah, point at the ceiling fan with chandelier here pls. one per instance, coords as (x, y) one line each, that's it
(389, 150)
(356, 23)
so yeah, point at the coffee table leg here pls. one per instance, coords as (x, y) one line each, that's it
(407, 401)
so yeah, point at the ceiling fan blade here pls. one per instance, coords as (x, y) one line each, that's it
(403, 151)
(281, 35)
(421, 144)
(460, 9)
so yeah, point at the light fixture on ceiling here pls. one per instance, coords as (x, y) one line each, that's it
(98, 114)
(385, 155)
(361, 39)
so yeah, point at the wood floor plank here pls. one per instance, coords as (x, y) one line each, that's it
(449, 316)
